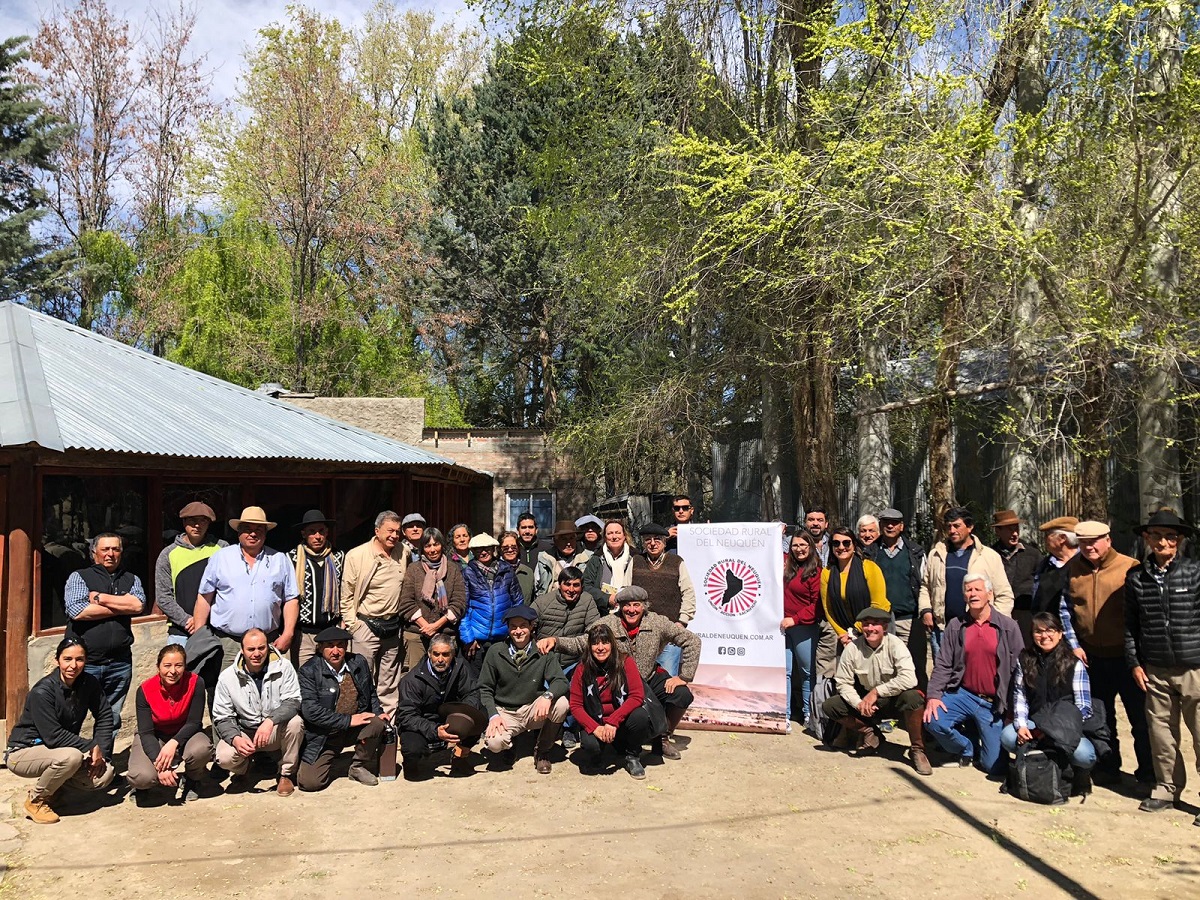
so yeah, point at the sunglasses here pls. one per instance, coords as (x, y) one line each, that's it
(842, 544)
(681, 508)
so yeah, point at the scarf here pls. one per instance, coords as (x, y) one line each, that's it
(331, 603)
(433, 591)
(618, 577)
(845, 610)
(169, 705)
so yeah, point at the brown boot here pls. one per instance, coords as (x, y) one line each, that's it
(916, 737)
(852, 733)
(39, 811)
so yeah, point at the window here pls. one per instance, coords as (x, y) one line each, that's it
(540, 503)
(225, 500)
(74, 510)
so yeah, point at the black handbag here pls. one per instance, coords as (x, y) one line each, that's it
(654, 709)
(1037, 777)
(382, 628)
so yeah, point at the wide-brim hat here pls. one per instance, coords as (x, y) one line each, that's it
(331, 634)
(252, 515)
(563, 528)
(1005, 517)
(1166, 518)
(483, 539)
(314, 517)
(195, 509)
(463, 719)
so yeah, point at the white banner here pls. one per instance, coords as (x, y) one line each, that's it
(737, 570)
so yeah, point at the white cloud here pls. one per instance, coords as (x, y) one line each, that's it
(225, 29)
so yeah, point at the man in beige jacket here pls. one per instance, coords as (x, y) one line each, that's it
(951, 561)
(371, 581)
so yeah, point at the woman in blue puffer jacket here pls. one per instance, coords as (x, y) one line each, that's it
(492, 588)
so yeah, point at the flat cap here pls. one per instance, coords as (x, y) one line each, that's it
(521, 611)
(1062, 523)
(413, 519)
(890, 513)
(196, 508)
(331, 634)
(874, 614)
(631, 594)
(1090, 529)
(654, 528)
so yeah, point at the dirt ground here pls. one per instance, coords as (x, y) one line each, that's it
(741, 815)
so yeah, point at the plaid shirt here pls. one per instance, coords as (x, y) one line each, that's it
(1080, 684)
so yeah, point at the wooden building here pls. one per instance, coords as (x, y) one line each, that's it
(99, 436)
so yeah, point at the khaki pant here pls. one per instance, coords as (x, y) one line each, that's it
(304, 648)
(287, 741)
(828, 650)
(518, 721)
(54, 768)
(193, 756)
(383, 655)
(414, 650)
(1171, 694)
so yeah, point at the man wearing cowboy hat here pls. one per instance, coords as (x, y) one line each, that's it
(564, 552)
(340, 709)
(1162, 649)
(1092, 610)
(1051, 575)
(318, 569)
(439, 706)
(247, 586)
(1020, 562)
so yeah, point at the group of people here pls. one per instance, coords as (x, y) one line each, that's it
(412, 639)
(1017, 638)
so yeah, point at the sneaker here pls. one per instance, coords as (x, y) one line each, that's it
(569, 740)
(633, 765)
(887, 726)
(286, 786)
(362, 776)
(965, 762)
(39, 811)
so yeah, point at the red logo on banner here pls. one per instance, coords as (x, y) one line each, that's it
(732, 587)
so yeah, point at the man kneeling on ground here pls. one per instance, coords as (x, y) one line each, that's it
(522, 687)
(876, 680)
(340, 708)
(256, 709)
(439, 706)
(643, 635)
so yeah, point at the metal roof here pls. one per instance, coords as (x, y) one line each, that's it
(62, 387)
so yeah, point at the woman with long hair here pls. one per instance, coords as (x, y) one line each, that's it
(802, 613)
(1047, 673)
(850, 584)
(510, 554)
(170, 730)
(433, 596)
(606, 699)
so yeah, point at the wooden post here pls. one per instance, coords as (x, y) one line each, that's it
(22, 528)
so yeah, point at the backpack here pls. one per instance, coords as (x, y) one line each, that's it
(819, 725)
(1036, 776)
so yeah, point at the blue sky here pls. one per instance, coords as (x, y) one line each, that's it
(224, 28)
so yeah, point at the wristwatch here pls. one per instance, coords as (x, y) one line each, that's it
(547, 695)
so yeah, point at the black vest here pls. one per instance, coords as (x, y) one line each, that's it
(106, 640)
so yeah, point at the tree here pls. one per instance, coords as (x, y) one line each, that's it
(29, 136)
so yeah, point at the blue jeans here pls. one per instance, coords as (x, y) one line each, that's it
(801, 642)
(960, 706)
(670, 659)
(1084, 756)
(115, 677)
(179, 640)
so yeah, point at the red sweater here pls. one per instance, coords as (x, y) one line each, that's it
(802, 599)
(611, 713)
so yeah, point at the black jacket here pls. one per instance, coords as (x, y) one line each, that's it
(1162, 624)
(54, 713)
(420, 697)
(1020, 567)
(1050, 580)
(318, 700)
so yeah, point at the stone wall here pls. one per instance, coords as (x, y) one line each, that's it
(399, 418)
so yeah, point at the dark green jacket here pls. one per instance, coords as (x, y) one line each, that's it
(502, 683)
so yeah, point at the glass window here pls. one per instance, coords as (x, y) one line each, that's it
(540, 503)
(225, 500)
(359, 501)
(74, 510)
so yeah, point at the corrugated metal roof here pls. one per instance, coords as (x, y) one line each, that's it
(62, 387)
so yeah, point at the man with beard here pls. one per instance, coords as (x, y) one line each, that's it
(816, 520)
(439, 707)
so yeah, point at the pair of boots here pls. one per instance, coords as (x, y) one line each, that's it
(868, 739)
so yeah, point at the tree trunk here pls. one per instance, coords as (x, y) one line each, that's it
(874, 437)
(941, 423)
(772, 503)
(1021, 481)
(813, 421)
(1094, 437)
(1158, 426)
